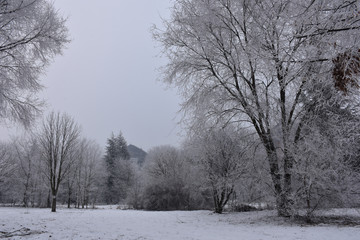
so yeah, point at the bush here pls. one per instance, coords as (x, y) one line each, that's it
(163, 198)
(243, 208)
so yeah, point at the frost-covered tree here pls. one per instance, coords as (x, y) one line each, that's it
(327, 149)
(28, 156)
(117, 168)
(254, 63)
(135, 197)
(58, 139)
(24, 184)
(87, 173)
(221, 156)
(32, 33)
(7, 170)
(69, 183)
(165, 173)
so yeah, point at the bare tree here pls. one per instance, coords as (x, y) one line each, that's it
(28, 155)
(253, 63)
(31, 34)
(166, 172)
(136, 190)
(7, 168)
(221, 155)
(87, 172)
(80, 181)
(58, 139)
(21, 179)
(70, 181)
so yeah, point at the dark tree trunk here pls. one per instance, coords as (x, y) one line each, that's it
(218, 209)
(53, 204)
(282, 184)
(287, 186)
(217, 204)
(48, 202)
(220, 200)
(25, 199)
(69, 198)
(283, 205)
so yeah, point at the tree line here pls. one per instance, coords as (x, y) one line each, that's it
(215, 168)
(270, 101)
(56, 159)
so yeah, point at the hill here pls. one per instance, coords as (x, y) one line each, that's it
(137, 153)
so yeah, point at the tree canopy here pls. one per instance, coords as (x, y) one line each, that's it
(256, 63)
(32, 33)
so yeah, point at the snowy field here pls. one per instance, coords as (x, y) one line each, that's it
(129, 224)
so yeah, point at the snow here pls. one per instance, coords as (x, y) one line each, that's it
(130, 224)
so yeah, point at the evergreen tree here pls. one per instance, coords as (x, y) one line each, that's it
(116, 155)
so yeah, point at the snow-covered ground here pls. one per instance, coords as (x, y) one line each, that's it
(128, 224)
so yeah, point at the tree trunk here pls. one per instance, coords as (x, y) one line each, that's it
(282, 184)
(287, 188)
(218, 205)
(48, 202)
(69, 198)
(53, 204)
(284, 206)
(282, 197)
(218, 209)
(25, 198)
(221, 201)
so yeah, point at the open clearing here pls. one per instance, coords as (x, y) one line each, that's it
(128, 224)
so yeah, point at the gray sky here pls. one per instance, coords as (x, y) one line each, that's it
(107, 77)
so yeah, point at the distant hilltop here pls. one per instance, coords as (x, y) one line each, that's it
(136, 154)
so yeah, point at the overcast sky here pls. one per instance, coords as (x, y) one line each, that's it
(107, 78)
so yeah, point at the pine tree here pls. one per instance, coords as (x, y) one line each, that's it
(116, 154)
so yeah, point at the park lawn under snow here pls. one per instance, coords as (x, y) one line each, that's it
(129, 224)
